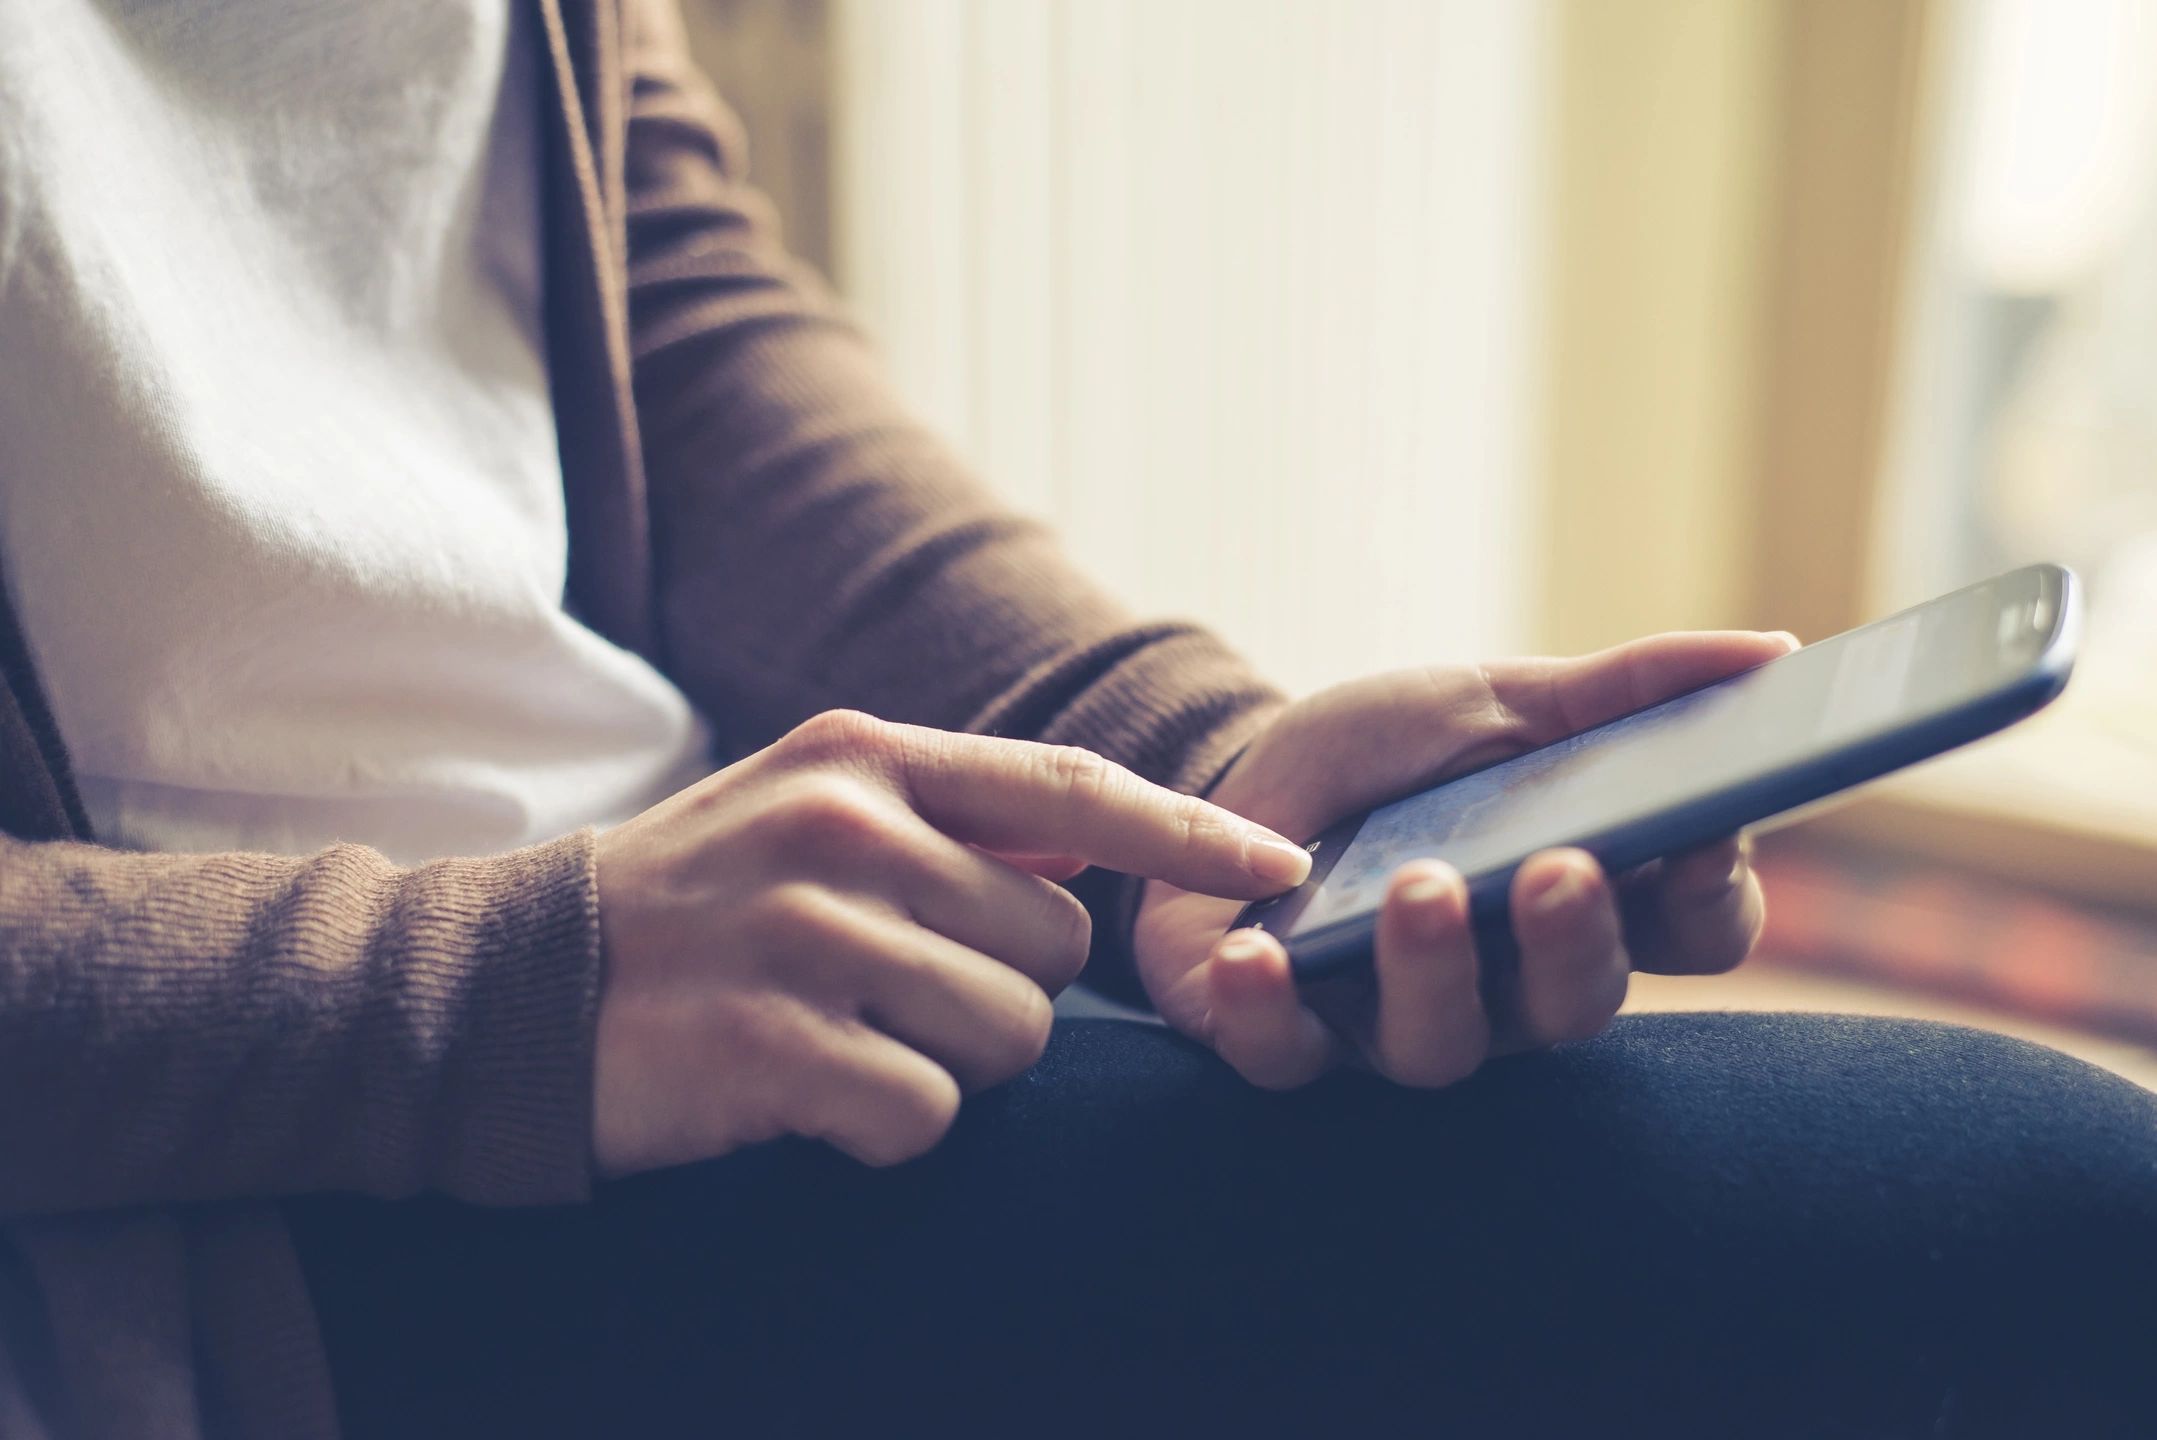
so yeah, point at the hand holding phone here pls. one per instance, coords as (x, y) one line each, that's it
(1418, 1018)
(1683, 771)
(1356, 748)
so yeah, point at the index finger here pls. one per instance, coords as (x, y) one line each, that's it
(1020, 797)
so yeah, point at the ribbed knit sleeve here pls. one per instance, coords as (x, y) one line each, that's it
(813, 545)
(190, 1027)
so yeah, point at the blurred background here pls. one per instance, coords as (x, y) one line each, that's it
(1380, 331)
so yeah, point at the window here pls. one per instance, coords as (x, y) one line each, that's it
(1242, 297)
(2027, 424)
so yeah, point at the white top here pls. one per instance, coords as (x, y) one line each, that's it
(280, 504)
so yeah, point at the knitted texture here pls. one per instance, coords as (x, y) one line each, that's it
(185, 1038)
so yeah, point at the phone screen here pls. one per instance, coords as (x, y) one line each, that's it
(1928, 661)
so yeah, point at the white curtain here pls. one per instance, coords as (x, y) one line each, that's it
(1242, 294)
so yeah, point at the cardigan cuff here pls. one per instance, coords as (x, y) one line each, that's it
(509, 1118)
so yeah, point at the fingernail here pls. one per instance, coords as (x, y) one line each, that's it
(1426, 892)
(1239, 949)
(1785, 635)
(1276, 861)
(1431, 906)
(1563, 893)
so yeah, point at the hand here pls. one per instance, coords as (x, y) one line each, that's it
(1579, 932)
(837, 935)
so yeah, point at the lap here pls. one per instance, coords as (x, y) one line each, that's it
(1821, 1225)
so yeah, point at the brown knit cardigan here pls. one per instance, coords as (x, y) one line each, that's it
(186, 1038)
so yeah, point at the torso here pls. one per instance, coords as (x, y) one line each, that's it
(280, 504)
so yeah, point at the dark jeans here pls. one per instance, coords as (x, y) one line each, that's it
(1722, 1225)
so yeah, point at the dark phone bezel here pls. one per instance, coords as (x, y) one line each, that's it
(1345, 945)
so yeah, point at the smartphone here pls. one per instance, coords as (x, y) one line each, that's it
(1709, 762)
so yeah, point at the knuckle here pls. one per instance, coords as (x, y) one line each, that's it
(828, 814)
(1026, 1036)
(922, 1112)
(1201, 828)
(834, 735)
(1078, 774)
(783, 917)
(1074, 939)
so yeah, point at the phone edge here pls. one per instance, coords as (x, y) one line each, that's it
(1346, 945)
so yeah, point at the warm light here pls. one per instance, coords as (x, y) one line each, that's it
(2062, 136)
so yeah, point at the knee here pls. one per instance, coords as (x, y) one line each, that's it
(1886, 1067)
(1910, 1104)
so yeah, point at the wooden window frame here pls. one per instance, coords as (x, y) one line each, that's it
(1743, 485)
(1863, 93)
